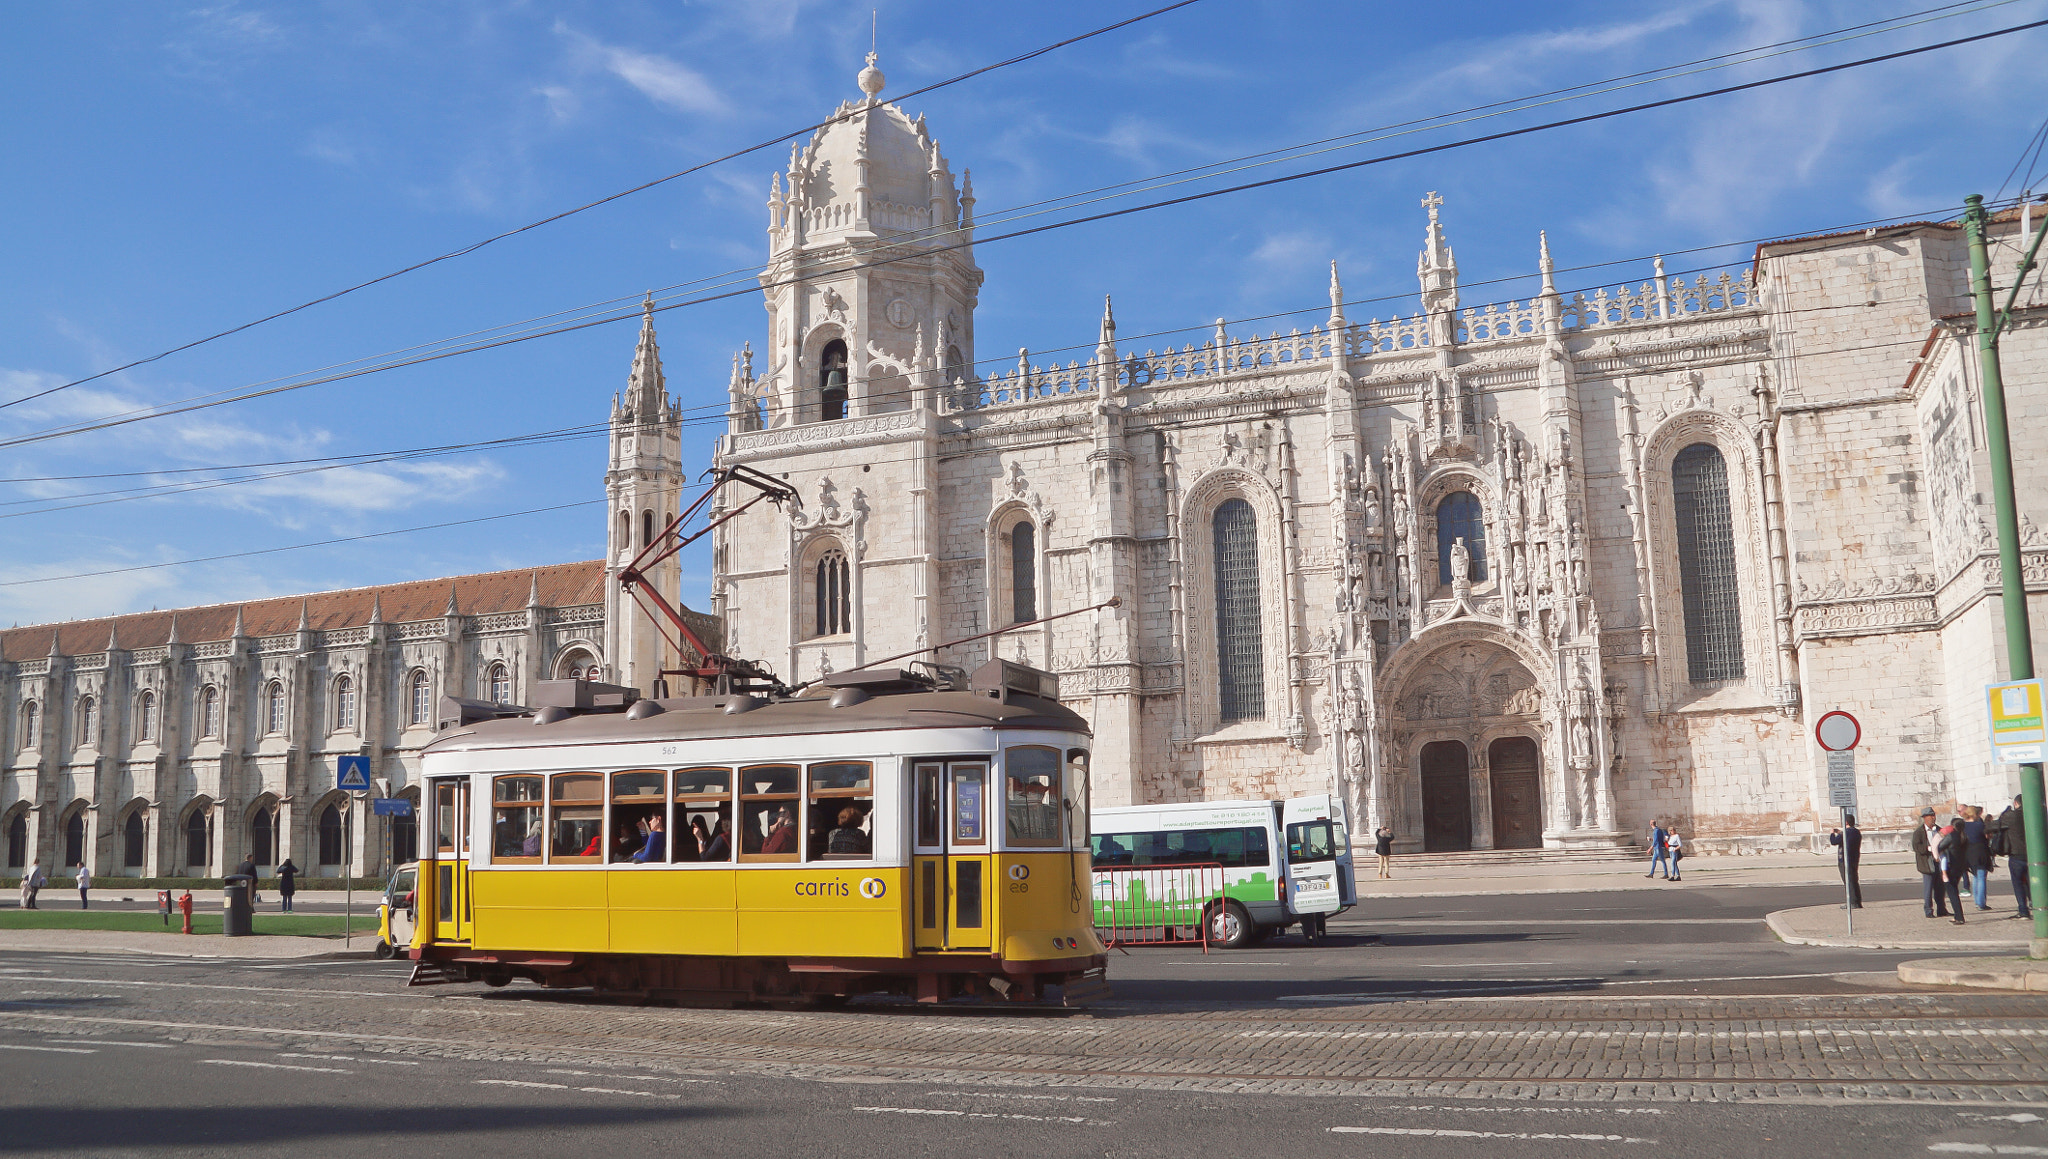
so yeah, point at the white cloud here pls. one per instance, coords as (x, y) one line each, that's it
(661, 80)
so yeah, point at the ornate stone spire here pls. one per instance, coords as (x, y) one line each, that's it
(172, 638)
(305, 618)
(646, 390)
(451, 609)
(237, 632)
(1544, 263)
(533, 590)
(377, 608)
(1336, 299)
(1437, 269)
(113, 635)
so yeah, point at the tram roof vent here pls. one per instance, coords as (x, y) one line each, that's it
(583, 695)
(1001, 677)
(876, 681)
(460, 712)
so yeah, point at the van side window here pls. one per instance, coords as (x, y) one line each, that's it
(1232, 848)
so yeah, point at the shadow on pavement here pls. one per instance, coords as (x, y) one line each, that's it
(155, 1129)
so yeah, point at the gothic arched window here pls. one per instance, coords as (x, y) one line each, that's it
(88, 720)
(344, 704)
(1023, 573)
(273, 707)
(330, 836)
(832, 382)
(1240, 654)
(74, 838)
(17, 840)
(132, 840)
(1459, 516)
(31, 722)
(419, 698)
(209, 711)
(263, 836)
(579, 665)
(500, 682)
(198, 839)
(646, 528)
(1706, 565)
(834, 604)
(145, 716)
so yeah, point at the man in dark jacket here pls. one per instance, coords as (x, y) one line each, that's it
(2011, 843)
(1848, 843)
(1933, 897)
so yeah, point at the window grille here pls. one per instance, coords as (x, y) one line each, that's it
(1459, 516)
(832, 616)
(1240, 656)
(1706, 565)
(1023, 574)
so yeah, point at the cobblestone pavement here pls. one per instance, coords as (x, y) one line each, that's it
(1878, 1047)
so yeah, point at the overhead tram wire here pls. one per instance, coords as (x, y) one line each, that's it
(1180, 177)
(926, 252)
(698, 168)
(60, 503)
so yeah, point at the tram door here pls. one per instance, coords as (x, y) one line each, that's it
(451, 859)
(951, 894)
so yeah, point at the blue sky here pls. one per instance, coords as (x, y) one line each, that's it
(173, 170)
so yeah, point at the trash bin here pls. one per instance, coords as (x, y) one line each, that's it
(236, 910)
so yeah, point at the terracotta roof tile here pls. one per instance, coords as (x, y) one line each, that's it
(561, 585)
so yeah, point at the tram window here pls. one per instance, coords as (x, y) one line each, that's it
(931, 805)
(639, 809)
(1076, 802)
(769, 801)
(576, 819)
(1031, 801)
(703, 827)
(515, 824)
(842, 811)
(444, 817)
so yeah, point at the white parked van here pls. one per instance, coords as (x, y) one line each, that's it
(1283, 861)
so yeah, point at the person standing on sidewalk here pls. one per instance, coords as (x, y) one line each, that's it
(32, 883)
(1933, 901)
(1383, 848)
(1676, 845)
(84, 884)
(287, 884)
(1977, 854)
(2011, 844)
(1952, 852)
(1848, 841)
(1660, 850)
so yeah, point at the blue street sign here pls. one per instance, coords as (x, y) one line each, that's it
(391, 807)
(352, 774)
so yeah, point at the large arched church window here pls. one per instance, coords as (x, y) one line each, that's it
(31, 721)
(1023, 573)
(1240, 654)
(1458, 517)
(74, 838)
(832, 614)
(199, 839)
(832, 382)
(134, 838)
(330, 836)
(1706, 565)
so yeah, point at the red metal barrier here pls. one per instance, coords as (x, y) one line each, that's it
(1155, 904)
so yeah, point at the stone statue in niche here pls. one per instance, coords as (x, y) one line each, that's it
(1461, 570)
(1354, 576)
(1578, 561)
(1372, 508)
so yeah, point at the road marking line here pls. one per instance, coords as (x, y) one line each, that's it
(215, 986)
(616, 1091)
(116, 1042)
(1988, 1149)
(640, 1078)
(1039, 1098)
(51, 1049)
(2022, 1117)
(275, 1065)
(352, 1058)
(518, 1083)
(1448, 1133)
(984, 1115)
(1905, 1032)
(1543, 1110)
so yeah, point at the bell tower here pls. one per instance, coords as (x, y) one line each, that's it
(642, 481)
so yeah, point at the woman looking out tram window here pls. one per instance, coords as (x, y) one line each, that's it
(703, 808)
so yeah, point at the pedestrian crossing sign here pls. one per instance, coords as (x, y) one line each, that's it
(2018, 736)
(352, 773)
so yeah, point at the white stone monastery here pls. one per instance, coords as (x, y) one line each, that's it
(1503, 576)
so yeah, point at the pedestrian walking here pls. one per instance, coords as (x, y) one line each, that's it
(287, 884)
(1660, 849)
(1848, 843)
(2010, 842)
(1933, 900)
(32, 883)
(1952, 854)
(1676, 845)
(1977, 854)
(84, 884)
(1383, 848)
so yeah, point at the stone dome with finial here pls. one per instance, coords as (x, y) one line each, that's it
(872, 168)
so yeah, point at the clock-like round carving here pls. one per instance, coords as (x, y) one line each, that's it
(899, 314)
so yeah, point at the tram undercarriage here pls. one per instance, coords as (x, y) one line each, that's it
(811, 981)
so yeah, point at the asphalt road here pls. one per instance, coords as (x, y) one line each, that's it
(1661, 1021)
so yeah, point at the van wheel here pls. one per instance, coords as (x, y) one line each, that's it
(384, 951)
(1231, 927)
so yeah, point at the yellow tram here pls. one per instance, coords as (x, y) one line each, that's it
(881, 831)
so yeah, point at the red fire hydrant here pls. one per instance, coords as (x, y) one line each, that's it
(185, 906)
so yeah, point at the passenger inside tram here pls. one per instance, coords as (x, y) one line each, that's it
(848, 838)
(654, 847)
(720, 848)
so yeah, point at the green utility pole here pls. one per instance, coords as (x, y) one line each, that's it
(2019, 638)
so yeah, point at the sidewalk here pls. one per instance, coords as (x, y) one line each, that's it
(1982, 973)
(1618, 876)
(182, 945)
(1900, 925)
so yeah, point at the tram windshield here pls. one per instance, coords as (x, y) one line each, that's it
(1031, 803)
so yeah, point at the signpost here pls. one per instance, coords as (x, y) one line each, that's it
(351, 776)
(2018, 735)
(1838, 733)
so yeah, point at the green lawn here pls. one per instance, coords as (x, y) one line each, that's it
(203, 922)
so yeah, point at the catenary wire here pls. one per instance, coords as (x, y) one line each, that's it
(1067, 223)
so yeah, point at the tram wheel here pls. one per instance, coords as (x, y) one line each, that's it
(495, 978)
(1231, 927)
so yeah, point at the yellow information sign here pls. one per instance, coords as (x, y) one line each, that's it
(2018, 731)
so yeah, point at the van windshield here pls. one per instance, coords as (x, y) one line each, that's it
(1311, 841)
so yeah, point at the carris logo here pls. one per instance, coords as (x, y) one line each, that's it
(873, 887)
(1019, 872)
